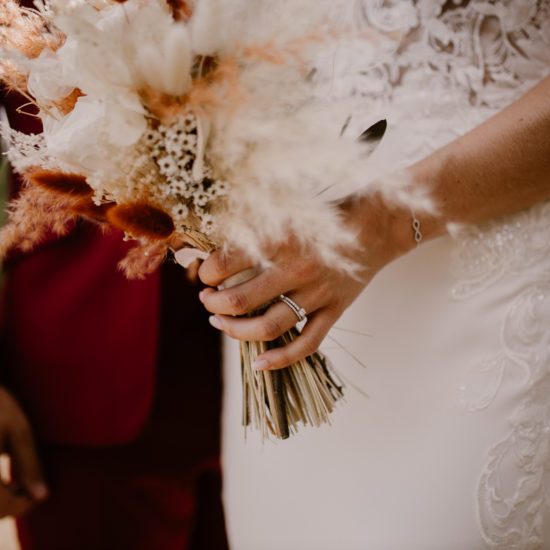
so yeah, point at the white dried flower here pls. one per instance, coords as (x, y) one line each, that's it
(151, 138)
(200, 198)
(189, 122)
(207, 224)
(168, 166)
(188, 142)
(180, 212)
(185, 164)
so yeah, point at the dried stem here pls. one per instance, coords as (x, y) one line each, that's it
(277, 402)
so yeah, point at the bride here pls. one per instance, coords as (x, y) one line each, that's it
(450, 447)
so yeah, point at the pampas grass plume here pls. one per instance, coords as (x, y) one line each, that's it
(32, 214)
(143, 259)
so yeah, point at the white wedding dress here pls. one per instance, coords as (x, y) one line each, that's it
(450, 449)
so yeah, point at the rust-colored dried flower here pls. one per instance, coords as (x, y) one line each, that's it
(143, 259)
(87, 208)
(67, 104)
(181, 9)
(12, 77)
(141, 220)
(162, 106)
(74, 185)
(32, 214)
(25, 30)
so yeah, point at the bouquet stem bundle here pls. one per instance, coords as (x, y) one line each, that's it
(275, 402)
(188, 124)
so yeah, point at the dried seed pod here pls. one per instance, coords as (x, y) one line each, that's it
(87, 208)
(60, 182)
(181, 9)
(141, 220)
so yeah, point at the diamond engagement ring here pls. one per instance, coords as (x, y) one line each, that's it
(300, 312)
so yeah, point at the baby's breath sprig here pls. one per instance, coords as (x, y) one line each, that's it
(173, 147)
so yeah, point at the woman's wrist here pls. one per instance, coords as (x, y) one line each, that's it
(389, 227)
(399, 227)
(384, 229)
(424, 177)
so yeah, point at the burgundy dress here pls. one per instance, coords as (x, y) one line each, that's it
(121, 382)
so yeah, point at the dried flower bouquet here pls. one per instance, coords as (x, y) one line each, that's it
(187, 124)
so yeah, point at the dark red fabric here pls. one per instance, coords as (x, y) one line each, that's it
(97, 505)
(184, 425)
(20, 112)
(82, 339)
(121, 380)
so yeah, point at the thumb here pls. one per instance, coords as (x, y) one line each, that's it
(26, 467)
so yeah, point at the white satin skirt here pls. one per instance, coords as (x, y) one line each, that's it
(443, 441)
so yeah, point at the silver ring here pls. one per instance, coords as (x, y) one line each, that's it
(300, 312)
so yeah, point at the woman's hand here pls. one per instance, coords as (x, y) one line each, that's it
(500, 167)
(323, 292)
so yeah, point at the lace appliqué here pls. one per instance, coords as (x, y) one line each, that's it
(515, 245)
(480, 48)
(511, 514)
(440, 68)
(464, 61)
(511, 518)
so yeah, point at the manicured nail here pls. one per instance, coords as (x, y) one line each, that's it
(215, 322)
(39, 491)
(201, 295)
(260, 364)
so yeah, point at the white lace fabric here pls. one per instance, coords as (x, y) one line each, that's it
(515, 248)
(484, 54)
(482, 47)
(465, 60)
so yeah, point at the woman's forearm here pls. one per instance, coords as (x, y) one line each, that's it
(500, 167)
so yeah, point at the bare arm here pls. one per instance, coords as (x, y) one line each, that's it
(27, 486)
(500, 167)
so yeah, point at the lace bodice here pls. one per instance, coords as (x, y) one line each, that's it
(480, 46)
(439, 58)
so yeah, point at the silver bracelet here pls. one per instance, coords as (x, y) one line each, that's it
(416, 228)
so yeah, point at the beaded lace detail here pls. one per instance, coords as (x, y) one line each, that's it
(515, 248)
(441, 68)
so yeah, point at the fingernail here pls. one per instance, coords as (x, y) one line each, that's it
(201, 295)
(39, 491)
(215, 322)
(260, 364)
